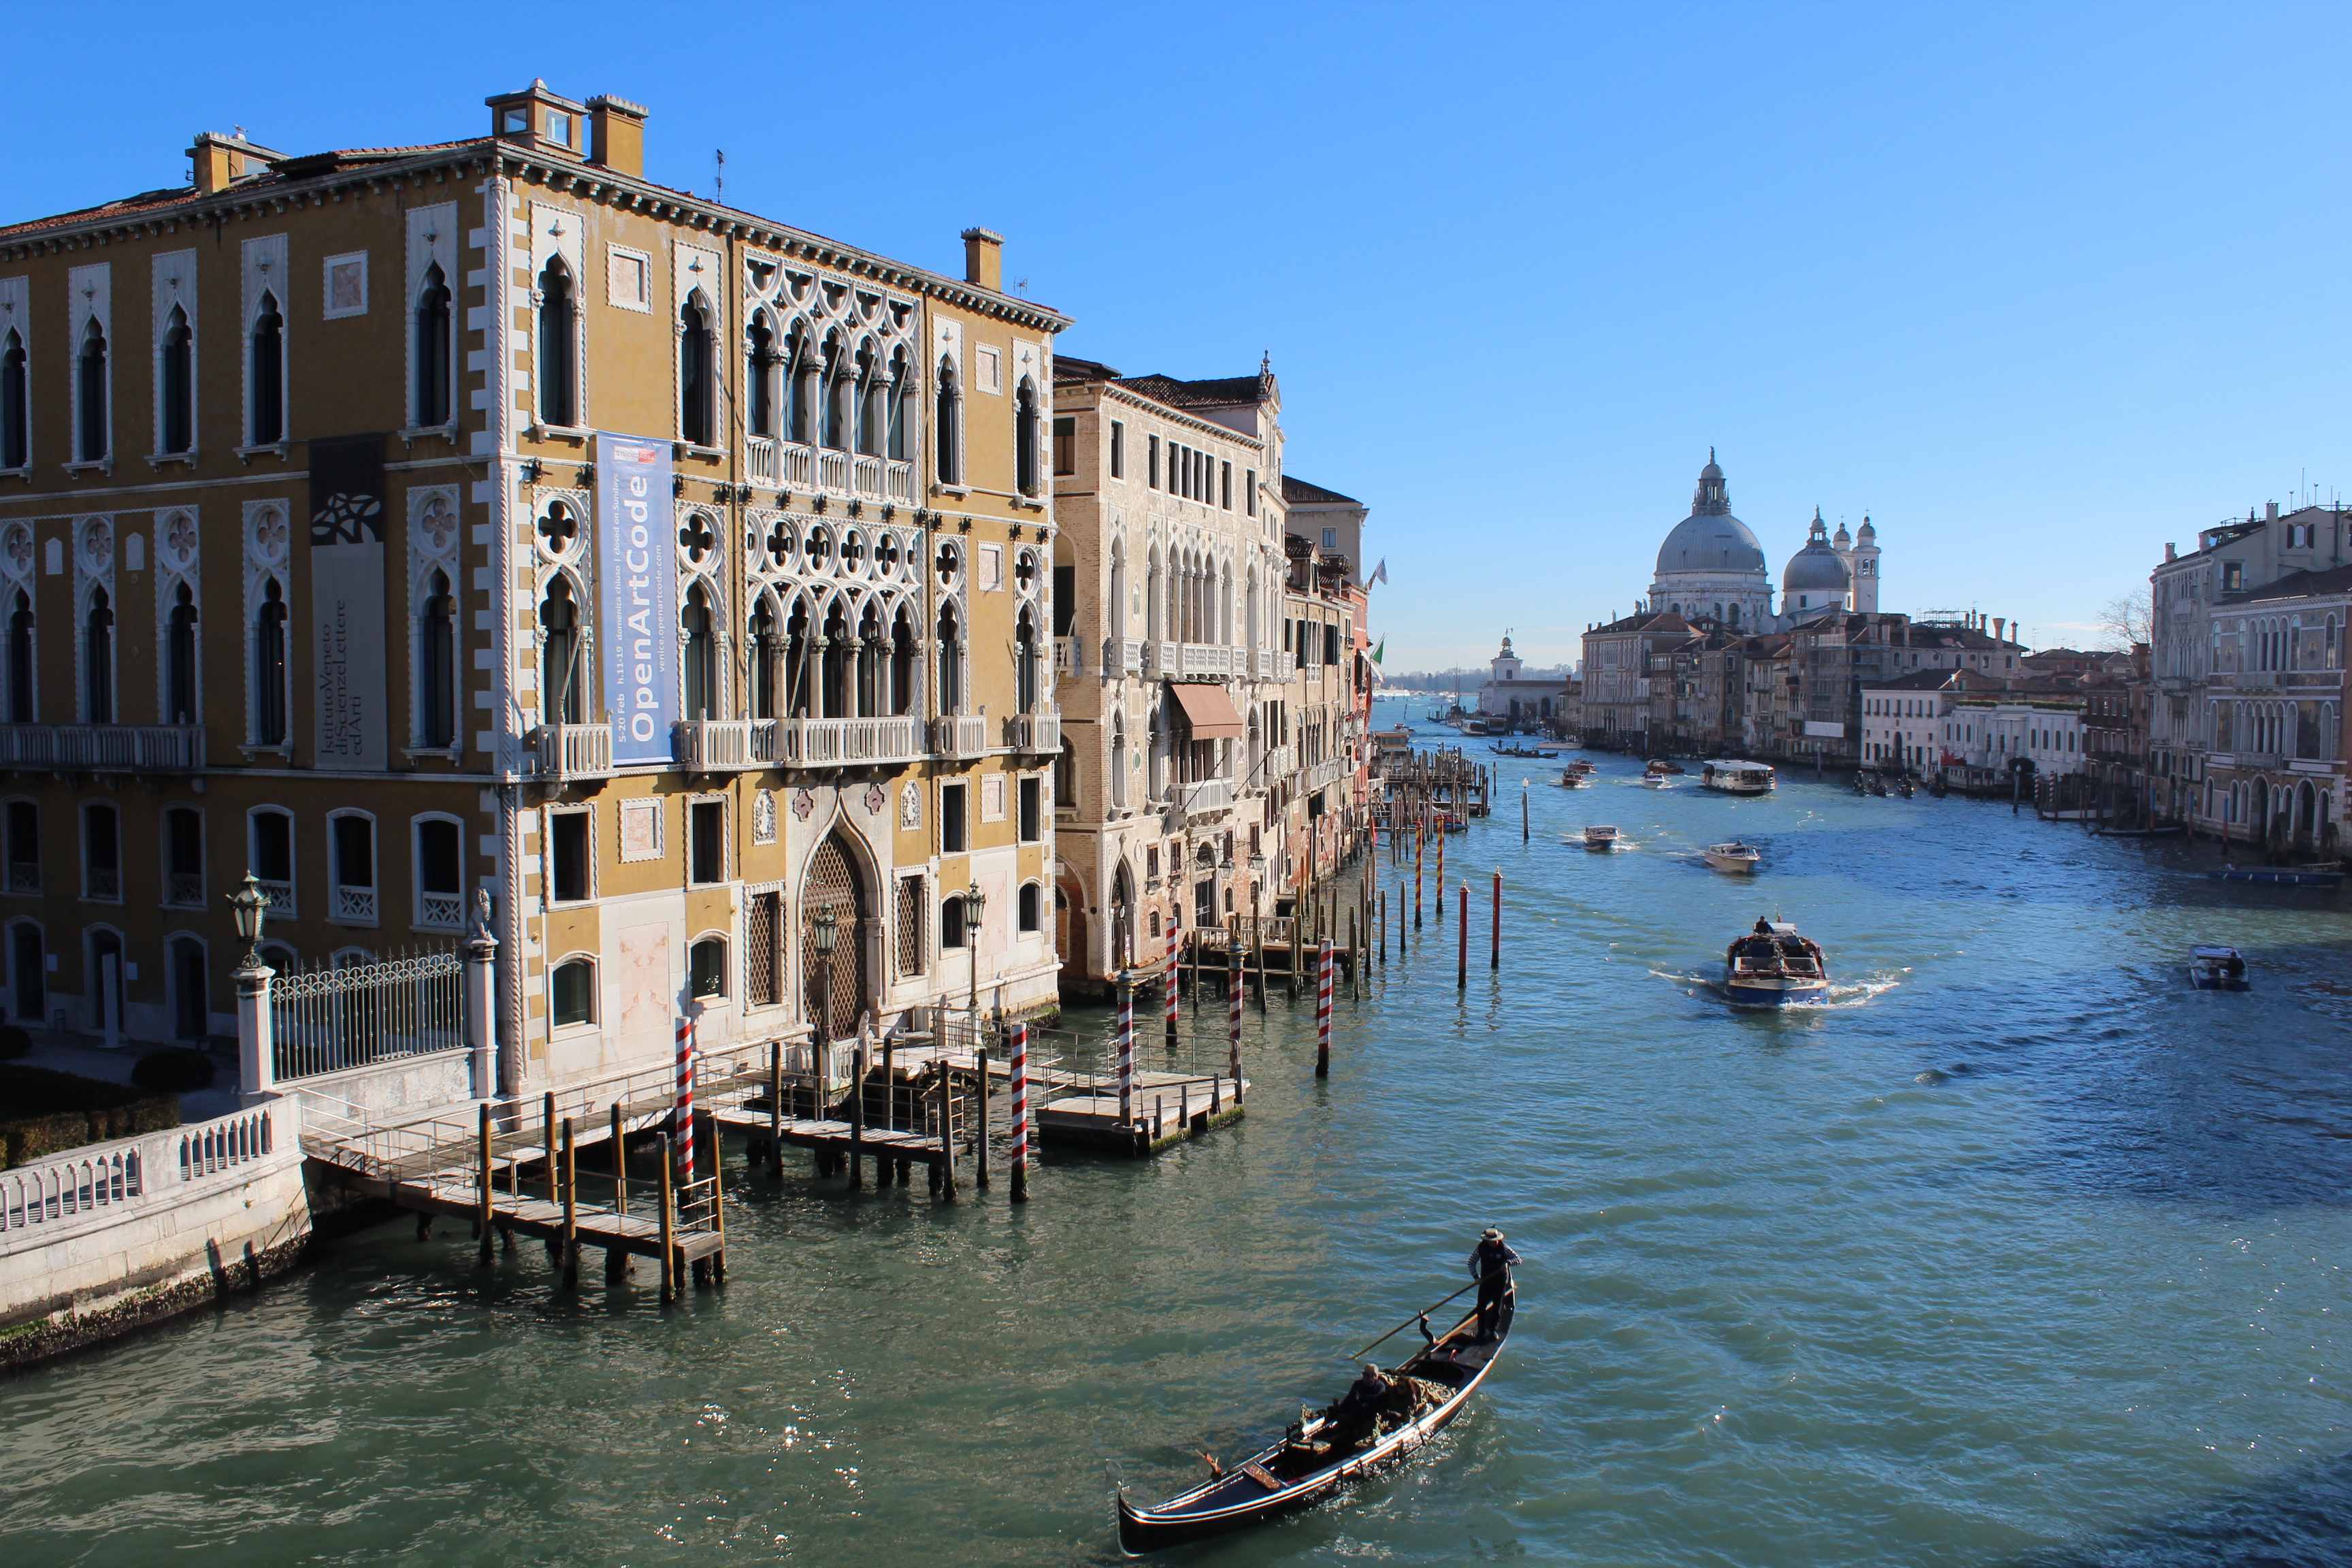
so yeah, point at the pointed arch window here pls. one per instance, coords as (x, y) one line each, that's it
(436, 665)
(1024, 661)
(98, 660)
(270, 667)
(765, 654)
(947, 426)
(870, 669)
(180, 685)
(836, 389)
(175, 386)
(902, 370)
(15, 434)
(950, 661)
(902, 664)
(558, 402)
(89, 378)
(558, 676)
(800, 389)
(694, 399)
(267, 350)
(1024, 438)
(833, 671)
(760, 378)
(432, 356)
(20, 660)
(701, 675)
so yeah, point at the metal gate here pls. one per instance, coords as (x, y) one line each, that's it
(761, 948)
(833, 883)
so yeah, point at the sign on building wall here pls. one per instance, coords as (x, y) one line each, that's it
(637, 580)
(1833, 731)
(347, 641)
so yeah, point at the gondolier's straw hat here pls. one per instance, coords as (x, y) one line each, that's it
(1490, 1233)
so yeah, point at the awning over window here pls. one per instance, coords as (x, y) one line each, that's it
(1209, 713)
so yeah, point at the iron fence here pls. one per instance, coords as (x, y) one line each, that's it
(328, 1018)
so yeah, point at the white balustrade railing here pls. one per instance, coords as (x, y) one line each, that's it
(280, 896)
(1276, 768)
(902, 481)
(832, 470)
(1265, 664)
(1202, 796)
(1033, 732)
(822, 743)
(960, 735)
(442, 911)
(1161, 659)
(1198, 658)
(1130, 656)
(1323, 775)
(355, 903)
(1069, 657)
(760, 461)
(799, 465)
(869, 477)
(113, 1180)
(133, 748)
(714, 745)
(573, 750)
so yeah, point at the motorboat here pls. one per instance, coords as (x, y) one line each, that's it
(1878, 785)
(1733, 856)
(1861, 785)
(1903, 786)
(1598, 838)
(1736, 777)
(2325, 873)
(1572, 778)
(1319, 1453)
(1656, 780)
(1660, 768)
(1772, 966)
(2217, 969)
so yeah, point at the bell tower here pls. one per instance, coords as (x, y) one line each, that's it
(1865, 564)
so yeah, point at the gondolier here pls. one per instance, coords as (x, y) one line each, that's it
(1490, 1265)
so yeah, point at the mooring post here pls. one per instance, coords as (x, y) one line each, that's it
(776, 1104)
(980, 1137)
(1355, 960)
(571, 1205)
(669, 1228)
(947, 1133)
(1462, 960)
(1323, 1016)
(718, 1202)
(1523, 813)
(858, 1116)
(1440, 867)
(1019, 1156)
(1168, 982)
(1126, 1048)
(1384, 928)
(1495, 961)
(1234, 1014)
(1419, 839)
(482, 1175)
(616, 1257)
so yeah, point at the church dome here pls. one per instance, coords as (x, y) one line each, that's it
(1710, 539)
(1816, 568)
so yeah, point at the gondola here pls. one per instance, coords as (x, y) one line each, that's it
(1301, 1470)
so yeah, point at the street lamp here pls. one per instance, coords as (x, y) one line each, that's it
(975, 903)
(252, 909)
(828, 933)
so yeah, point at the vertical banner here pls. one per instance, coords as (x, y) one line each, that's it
(637, 594)
(347, 641)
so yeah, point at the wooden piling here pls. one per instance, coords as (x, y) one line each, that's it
(1384, 928)
(547, 1138)
(947, 1134)
(616, 1259)
(979, 1103)
(1461, 962)
(1495, 961)
(858, 1116)
(776, 1104)
(719, 1202)
(1523, 813)
(571, 1205)
(482, 1212)
(668, 1228)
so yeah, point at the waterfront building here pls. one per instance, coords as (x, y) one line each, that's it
(1698, 693)
(1513, 692)
(1330, 521)
(1326, 721)
(1173, 655)
(2246, 717)
(1906, 721)
(481, 526)
(1617, 698)
(2037, 722)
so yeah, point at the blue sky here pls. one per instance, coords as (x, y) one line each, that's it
(2039, 287)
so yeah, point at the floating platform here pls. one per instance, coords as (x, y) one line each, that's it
(1093, 1120)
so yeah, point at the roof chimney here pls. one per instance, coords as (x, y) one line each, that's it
(2169, 553)
(616, 134)
(1998, 622)
(220, 161)
(983, 258)
(2270, 511)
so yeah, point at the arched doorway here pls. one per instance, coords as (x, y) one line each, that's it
(2258, 821)
(1122, 917)
(834, 991)
(1070, 925)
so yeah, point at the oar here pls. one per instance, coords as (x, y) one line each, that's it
(1417, 1317)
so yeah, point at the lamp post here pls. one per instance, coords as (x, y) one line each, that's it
(1257, 930)
(257, 1050)
(975, 905)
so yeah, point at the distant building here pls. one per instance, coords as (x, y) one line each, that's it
(1513, 692)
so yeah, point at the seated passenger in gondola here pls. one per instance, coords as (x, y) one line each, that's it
(1355, 1418)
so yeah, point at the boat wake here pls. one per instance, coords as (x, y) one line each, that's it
(1856, 992)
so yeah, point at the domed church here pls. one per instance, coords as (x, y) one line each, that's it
(1712, 566)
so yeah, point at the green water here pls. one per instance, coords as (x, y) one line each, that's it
(1783, 1304)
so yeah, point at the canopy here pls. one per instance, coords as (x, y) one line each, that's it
(1209, 713)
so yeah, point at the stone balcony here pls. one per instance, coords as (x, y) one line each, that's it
(568, 751)
(790, 466)
(850, 742)
(960, 735)
(104, 748)
(1035, 733)
(1202, 798)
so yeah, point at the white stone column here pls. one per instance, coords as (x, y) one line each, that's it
(481, 1021)
(256, 1047)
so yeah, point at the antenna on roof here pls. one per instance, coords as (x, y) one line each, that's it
(719, 181)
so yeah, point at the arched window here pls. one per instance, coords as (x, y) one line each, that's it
(98, 660)
(694, 400)
(699, 673)
(797, 654)
(901, 374)
(90, 371)
(833, 664)
(760, 378)
(835, 388)
(558, 672)
(15, 436)
(947, 426)
(869, 664)
(350, 846)
(436, 665)
(764, 653)
(558, 403)
(270, 667)
(800, 388)
(869, 395)
(180, 685)
(706, 969)
(175, 386)
(432, 356)
(20, 661)
(571, 992)
(950, 661)
(101, 853)
(1024, 438)
(440, 873)
(1118, 762)
(951, 920)
(902, 664)
(1025, 908)
(1024, 661)
(267, 349)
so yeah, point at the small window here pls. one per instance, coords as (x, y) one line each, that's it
(1118, 450)
(1249, 492)
(23, 847)
(273, 855)
(1225, 486)
(102, 849)
(951, 821)
(1331, 538)
(707, 840)
(571, 992)
(183, 856)
(1151, 461)
(707, 969)
(1027, 907)
(440, 875)
(1032, 809)
(567, 858)
(351, 837)
(1066, 445)
(951, 920)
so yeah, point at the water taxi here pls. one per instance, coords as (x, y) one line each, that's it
(1600, 839)
(2217, 969)
(1571, 778)
(1772, 966)
(1736, 777)
(2319, 874)
(1733, 856)
(1656, 780)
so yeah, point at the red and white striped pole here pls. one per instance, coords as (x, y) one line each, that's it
(1420, 841)
(685, 1114)
(1323, 1014)
(1169, 985)
(1234, 1009)
(1020, 1160)
(1125, 1047)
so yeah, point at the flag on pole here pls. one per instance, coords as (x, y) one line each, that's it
(1380, 650)
(1379, 572)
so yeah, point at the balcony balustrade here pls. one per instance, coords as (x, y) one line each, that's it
(833, 471)
(186, 889)
(443, 911)
(1194, 659)
(762, 462)
(1205, 797)
(851, 742)
(1034, 733)
(355, 903)
(102, 882)
(715, 745)
(574, 751)
(869, 471)
(279, 895)
(1265, 664)
(799, 465)
(1130, 656)
(1160, 660)
(104, 748)
(960, 735)
(1323, 775)
(1069, 655)
(902, 482)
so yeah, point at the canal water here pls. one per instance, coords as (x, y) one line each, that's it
(2016, 1251)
